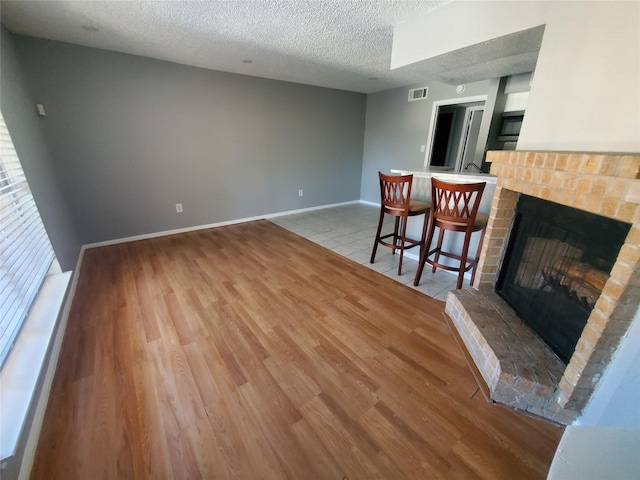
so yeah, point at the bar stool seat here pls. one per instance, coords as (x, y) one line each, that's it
(481, 220)
(395, 200)
(455, 209)
(418, 207)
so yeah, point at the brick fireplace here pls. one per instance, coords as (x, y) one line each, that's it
(518, 368)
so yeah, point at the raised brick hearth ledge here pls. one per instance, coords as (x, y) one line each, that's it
(519, 368)
(603, 184)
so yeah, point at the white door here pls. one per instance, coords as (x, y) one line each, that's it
(469, 139)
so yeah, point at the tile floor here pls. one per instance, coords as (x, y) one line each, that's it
(349, 230)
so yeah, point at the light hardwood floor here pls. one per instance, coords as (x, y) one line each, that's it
(350, 229)
(249, 352)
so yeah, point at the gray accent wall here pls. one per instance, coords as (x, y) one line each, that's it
(395, 128)
(25, 128)
(130, 137)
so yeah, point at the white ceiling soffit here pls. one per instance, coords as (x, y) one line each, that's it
(331, 43)
(500, 57)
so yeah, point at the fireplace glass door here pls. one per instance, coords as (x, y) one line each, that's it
(557, 263)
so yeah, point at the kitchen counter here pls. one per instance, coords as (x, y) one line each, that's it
(444, 173)
(421, 190)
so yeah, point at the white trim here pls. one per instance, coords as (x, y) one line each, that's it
(211, 225)
(309, 209)
(435, 106)
(38, 417)
(20, 373)
(367, 202)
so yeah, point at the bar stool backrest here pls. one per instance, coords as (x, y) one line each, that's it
(456, 204)
(395, 193)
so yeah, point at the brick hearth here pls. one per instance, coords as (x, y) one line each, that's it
(519, 369)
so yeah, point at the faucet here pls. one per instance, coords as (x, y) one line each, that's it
(471, 164)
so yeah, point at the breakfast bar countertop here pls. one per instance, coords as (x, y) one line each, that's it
(421, 189)
(448, 175)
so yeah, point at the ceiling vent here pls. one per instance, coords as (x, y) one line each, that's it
(418, 93)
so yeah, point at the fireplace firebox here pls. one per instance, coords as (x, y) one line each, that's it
(557, 262)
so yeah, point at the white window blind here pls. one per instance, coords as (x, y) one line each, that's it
(25, 250)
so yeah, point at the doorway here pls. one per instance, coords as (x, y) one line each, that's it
(454, 135)
(469, 138)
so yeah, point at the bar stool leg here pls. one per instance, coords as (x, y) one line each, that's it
(463, 259)
(396, 227)
(424, 252)
(404, 235)
(375, 245)
(438, 249)
(478, 253)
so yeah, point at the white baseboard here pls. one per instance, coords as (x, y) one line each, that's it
(214, 225)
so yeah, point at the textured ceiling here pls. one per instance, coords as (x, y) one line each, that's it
(336, 44)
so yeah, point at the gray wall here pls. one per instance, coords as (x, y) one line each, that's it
(132, 136)
(24, 126)
(18, 109)
(395, 129)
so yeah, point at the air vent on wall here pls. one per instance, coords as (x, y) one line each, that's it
(418, 93)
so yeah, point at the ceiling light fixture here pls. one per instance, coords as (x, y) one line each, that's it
(373, 78)
(90, 28)
(247, 61)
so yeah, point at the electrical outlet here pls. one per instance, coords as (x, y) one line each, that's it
(179, 208)
(300, 193)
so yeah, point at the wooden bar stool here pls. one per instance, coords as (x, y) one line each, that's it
(395, 200)
(455, 208)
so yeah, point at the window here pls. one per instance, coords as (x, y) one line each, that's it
(25, 251)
